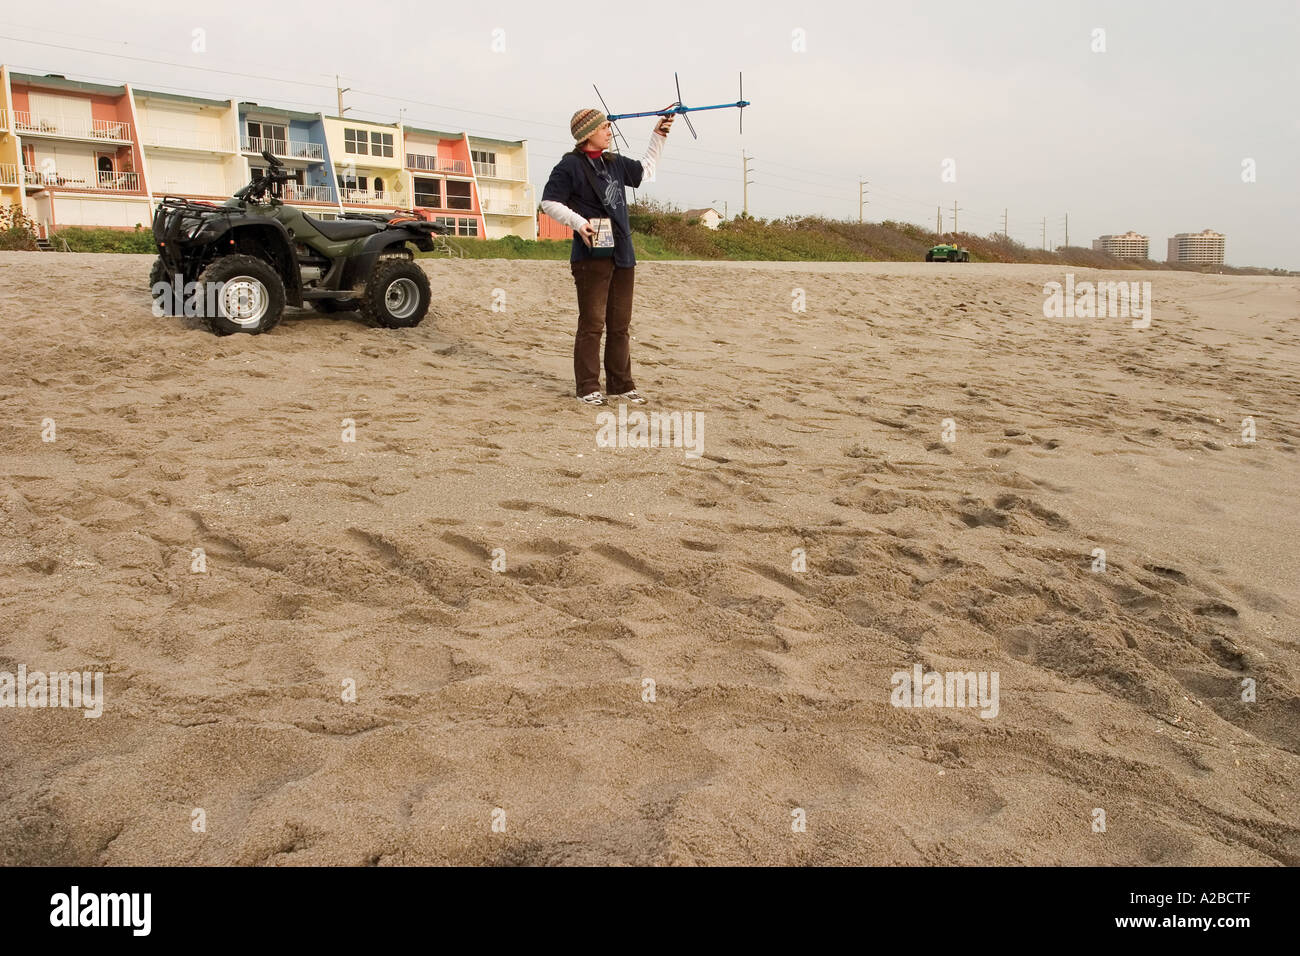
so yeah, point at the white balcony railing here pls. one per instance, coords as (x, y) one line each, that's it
(289, 148)
(111, 181)
(435, 165)
(176, 187)
(8, 174)
(296, 192)
(499, 171)
(110, 130)
(183, 139)
(500, 208)
(361, 196)
(510, 202)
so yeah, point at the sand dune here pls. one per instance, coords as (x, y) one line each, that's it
(370, 561)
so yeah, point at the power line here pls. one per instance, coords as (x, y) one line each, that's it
(182, 66)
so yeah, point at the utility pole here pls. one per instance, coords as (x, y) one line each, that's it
(938, 220)
(748, 181)
(862, 197)
(1067, 230)
(954, 218)
(1004, 223)
(1044, 233)
(340, 91)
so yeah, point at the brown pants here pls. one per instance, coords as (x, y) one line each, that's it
(604, 304)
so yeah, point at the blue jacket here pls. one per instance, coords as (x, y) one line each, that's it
(568, 185)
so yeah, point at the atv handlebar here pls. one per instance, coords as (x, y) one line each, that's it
(275, 173)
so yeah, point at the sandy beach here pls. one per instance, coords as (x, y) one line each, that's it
(520, 697)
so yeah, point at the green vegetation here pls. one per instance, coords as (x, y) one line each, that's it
(661, 232)
(104, 240)
(17, 230)
(512, 247)
(815, 238)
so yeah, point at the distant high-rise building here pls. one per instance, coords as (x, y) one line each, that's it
(1128, 246)
(1204, 246)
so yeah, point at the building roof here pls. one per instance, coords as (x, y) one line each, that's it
(178, 98)
(58, 81)
(441, 134)
(360, 122)
(246, 107)
(701, 212)
(497, 142)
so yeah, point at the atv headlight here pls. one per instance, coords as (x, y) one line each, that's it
(195, 229)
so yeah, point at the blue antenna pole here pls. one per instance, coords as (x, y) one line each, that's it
(679, 109)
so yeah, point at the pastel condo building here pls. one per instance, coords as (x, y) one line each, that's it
(74, 153)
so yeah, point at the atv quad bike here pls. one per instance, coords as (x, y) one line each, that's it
(252, 255)
(947, 253)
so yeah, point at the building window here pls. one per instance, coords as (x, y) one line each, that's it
(379, 187)
(272, 136)
(355, 141)
(428, 194)
(381, 144)
(458, 194)
(469, 227)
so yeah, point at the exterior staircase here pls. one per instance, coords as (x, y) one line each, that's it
(444, 247)
(44, 245)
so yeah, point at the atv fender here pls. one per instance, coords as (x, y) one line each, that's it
(270, 235)
(362, 264)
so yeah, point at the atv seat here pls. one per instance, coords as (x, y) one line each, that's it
(343, 228)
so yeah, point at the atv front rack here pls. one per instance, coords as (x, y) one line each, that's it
(174, 214)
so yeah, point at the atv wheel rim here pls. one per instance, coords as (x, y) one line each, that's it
(244, 300)
(401, 298)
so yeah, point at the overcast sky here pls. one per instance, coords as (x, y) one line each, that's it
(1150, 134)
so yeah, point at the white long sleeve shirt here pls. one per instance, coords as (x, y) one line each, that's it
(574, 220)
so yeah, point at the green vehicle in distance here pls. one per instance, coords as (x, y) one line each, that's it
(947, 253)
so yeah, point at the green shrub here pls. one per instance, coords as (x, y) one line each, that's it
(81, 239)
(17, 230)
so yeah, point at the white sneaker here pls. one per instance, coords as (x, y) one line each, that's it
(633, 396)
(594, 398)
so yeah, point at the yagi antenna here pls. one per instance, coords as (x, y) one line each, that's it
(618, 133)
(677, 108)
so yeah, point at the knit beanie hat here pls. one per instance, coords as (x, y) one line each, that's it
(585, 122)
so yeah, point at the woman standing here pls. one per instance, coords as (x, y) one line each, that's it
(588, 184)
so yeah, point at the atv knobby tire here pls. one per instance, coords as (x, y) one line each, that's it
(252, 298)
(397, 294)
(158, 273)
